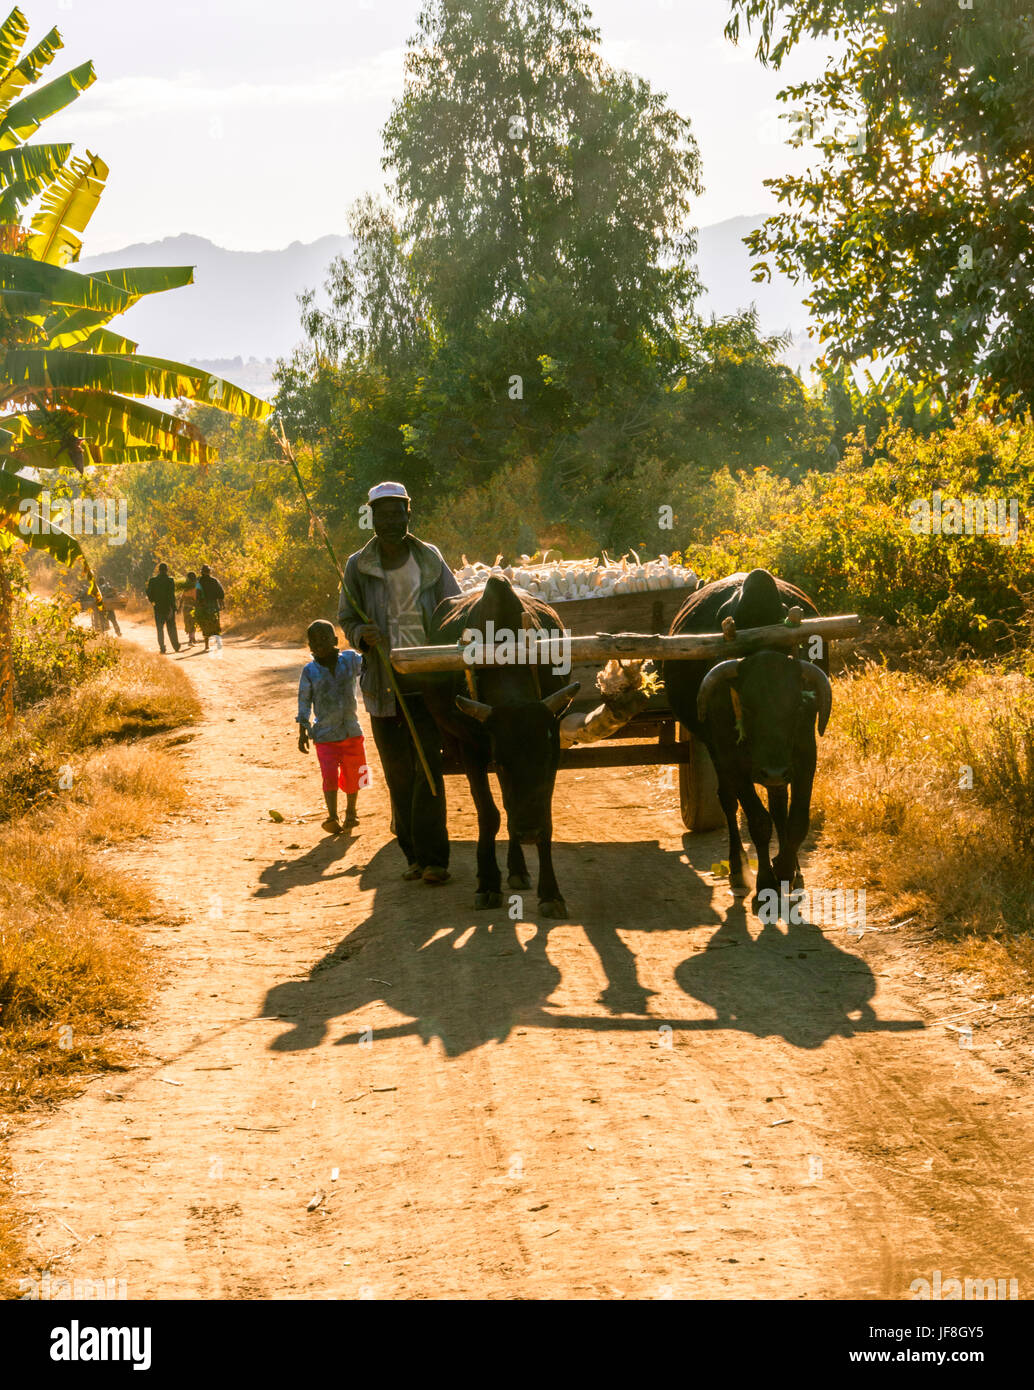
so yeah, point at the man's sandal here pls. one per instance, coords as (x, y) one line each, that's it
(436, 875)
(413, 873)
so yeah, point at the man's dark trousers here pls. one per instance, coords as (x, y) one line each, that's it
(165, 618)
(420, 824)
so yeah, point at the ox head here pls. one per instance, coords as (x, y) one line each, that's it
(526, 749)
(775, 700)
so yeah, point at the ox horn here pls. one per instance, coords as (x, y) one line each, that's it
(718, 676)
(814, 678)
(559, 698)
(474, 708)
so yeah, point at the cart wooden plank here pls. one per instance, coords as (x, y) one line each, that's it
(606, 646)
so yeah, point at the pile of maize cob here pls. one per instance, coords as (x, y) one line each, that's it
(554, 581)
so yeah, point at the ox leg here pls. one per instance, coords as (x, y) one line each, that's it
(777, 805)
(731, 805)
(787, 868)
(760, 823)
(516, 866)
(551, 904)
(490, 883)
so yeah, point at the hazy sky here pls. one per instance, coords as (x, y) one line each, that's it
(257, 122)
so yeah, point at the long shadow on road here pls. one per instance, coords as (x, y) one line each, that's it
(317, 865)
(469, 977)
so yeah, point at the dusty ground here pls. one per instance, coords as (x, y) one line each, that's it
(656, 1098)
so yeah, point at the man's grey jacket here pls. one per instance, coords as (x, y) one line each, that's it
(366, 582)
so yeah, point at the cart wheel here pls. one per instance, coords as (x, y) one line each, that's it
(698, 788)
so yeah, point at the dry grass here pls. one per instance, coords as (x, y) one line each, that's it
(926, 793)
(72, 972)
(275, 631)
(141, 695)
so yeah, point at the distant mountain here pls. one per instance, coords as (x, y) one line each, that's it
(724, 264)
(241, 304)
(241, 312)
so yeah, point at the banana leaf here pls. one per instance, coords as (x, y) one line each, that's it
(135, 375)
(26, 116)
(31, 161)
(67, 287)
(13, 33)
(62, 547)
(66, 209)
(27, 69)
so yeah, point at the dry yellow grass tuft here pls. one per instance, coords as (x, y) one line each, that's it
(141, 695)
(71, 969)
(926, 793)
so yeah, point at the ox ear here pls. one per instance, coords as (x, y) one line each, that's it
(560, 699)
(717, 678)
(814, 678)
(474, 708)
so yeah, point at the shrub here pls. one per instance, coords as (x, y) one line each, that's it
(847, 536)
(50, 654)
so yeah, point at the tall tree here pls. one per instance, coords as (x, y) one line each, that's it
(517, 144)
(916, 226)
(537, 269)
(527, 297)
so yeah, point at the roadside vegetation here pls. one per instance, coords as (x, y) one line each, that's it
(73, 786)
(925, 794)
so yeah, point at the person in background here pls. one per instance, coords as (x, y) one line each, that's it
(210, 596)
(187, 611)
(398, 581)
(327, 715)
(110, 598)
(87, 601)
(161, 594)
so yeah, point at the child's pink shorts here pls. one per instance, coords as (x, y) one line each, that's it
(343, 765)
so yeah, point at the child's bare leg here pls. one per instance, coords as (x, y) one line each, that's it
(351, 818)
(331, 824)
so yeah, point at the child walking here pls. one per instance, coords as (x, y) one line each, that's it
(187, 607)
(327, 692)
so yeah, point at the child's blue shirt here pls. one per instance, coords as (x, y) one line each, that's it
(330, 697)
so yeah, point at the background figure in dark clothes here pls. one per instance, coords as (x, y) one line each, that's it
(161, 593)
(210, 595)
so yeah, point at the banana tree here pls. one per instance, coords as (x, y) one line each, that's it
(74, 393)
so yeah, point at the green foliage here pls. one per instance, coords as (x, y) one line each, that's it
(851, 539)
(50, 654)
(915, 237)
(570, 169)
(879, 402)
(242, 515)
(528, 310)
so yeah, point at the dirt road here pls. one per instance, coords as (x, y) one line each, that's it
(656, 1098)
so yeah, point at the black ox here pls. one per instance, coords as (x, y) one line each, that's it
(757, 717)
(513, 722)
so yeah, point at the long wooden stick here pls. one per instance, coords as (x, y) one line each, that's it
(605, 646)
(288, 454)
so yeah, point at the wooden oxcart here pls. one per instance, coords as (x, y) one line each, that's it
(629, 627)
(653, 737)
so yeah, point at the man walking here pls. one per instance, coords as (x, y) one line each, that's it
(161, 593)
(398, 581)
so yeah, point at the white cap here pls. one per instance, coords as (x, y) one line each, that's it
(388, 490)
